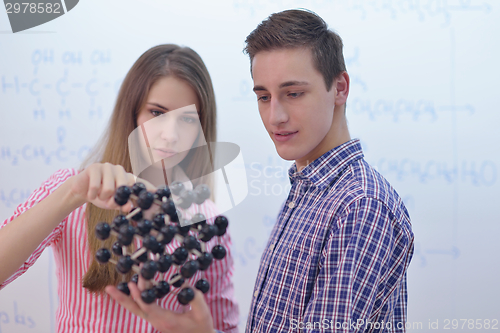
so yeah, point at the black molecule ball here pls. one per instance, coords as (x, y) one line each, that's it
(174, 218)
(102, 230)
(184, 231)
(119, 201)
(205, 260)
(163, 192)
(135, 278)
(190, 268)
(180, 255)
(162, 288)
(168, 207)
(124, 264)
(137, 188)
(219, 252)
(190, 242)
(149, 270)
(187, 199)
(199, 218)
(151, 243)
(202, 193)
(176, 187)
(164, 262)
(202, 285)
(208, 232)
(148, 296)
(144, 227)
(122, 195)
(145, 200)
(118, 221)
(168, 232)
(123, 287)
(185, 296)
(117, 249)
(221, 222)
(126, 234)
(158, 221)
(103, 255)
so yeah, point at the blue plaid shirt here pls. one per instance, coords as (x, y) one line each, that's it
(337, 257)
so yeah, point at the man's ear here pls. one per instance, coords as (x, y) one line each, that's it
(341, 86)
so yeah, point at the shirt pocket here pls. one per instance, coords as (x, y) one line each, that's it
(298, 279)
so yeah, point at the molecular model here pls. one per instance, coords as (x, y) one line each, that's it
(155, 234)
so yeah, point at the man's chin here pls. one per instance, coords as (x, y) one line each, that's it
(286, 154)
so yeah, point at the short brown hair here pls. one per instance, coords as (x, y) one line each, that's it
(300, 28)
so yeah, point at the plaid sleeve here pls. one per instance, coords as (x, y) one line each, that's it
(361, 283)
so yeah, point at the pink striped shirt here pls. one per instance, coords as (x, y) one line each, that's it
(82, 311)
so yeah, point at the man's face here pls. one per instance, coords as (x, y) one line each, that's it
(294, 105)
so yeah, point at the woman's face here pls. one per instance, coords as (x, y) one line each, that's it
(169, 121)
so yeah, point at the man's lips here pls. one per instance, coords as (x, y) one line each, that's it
(282, 136)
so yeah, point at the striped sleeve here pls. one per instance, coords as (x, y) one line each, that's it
(38, 195)
(220, 298)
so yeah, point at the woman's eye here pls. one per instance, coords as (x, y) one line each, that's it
(189, 120)
(156, 113)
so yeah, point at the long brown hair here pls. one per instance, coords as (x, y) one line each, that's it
(158, 62)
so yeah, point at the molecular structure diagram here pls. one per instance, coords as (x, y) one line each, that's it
(156, 234)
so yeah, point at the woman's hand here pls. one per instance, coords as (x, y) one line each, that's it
(196, 320)
(98, 182)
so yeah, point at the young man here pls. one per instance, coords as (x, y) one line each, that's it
(337, 257)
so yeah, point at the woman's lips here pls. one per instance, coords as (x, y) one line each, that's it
(284, 136)
(164, 153)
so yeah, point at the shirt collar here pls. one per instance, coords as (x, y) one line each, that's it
(325, 169)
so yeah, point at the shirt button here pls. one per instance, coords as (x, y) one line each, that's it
(256, 293)
(271, 247)
(291, 204)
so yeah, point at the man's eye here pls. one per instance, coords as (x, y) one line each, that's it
(263, 98)
(295, 94)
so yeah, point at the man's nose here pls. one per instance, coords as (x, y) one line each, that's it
(278, 114)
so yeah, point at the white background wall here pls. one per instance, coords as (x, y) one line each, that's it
(424, 102)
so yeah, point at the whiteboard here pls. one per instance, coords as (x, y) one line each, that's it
(423, 101)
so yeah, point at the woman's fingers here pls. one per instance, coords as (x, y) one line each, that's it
(198, 319)
(95, 178)
(144, 284)
(128, 179)
(108, 182)
(146, 310)
(198, 304)
(125, 301)
(99, 182)
(150, 187)
(153, 313)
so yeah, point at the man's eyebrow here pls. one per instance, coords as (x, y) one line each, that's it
(283, 85)
(293, 83)
(259, 88)
(158, 106)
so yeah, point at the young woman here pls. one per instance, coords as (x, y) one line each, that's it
(167, 82)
